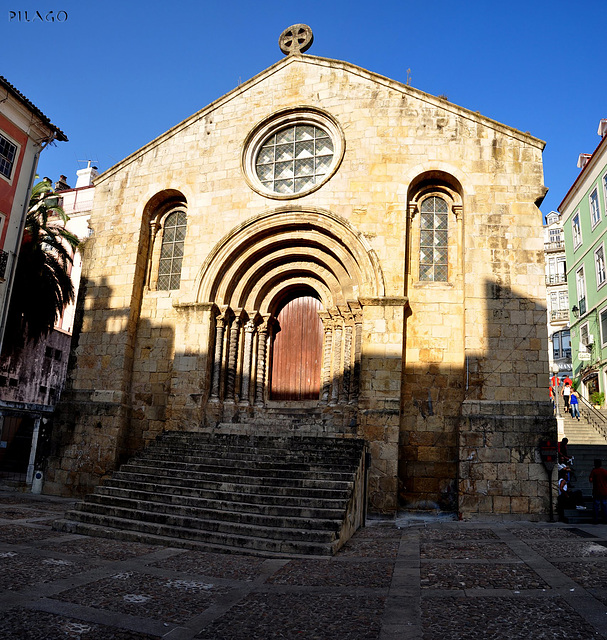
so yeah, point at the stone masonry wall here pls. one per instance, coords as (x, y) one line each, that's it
(143, 360)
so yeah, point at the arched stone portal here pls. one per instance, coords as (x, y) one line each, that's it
(285, 290)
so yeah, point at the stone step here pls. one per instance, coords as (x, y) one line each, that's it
(151, 533)
(581, 431)
(224, 501)
(277, 456)
(583, 463)
(267, 441)
(252, 469)
(273, 495)
(258, 446)
(184, 476)
(579, 516)
(201, 517)
(247, 493)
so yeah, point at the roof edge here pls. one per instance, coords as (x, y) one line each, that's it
(573, 188)
(59, 135)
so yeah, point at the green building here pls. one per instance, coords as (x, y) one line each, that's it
(584, 215)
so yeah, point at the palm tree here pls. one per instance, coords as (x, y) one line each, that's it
(42, 287)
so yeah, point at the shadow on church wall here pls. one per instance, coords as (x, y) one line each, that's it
(460, 436)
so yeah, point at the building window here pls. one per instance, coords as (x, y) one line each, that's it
(556, 271)
(556, 345)
(603, 316)
(292, 153)
(555, 236)
(599, 261)
(595, 212)
(171, 251)
(294, 159)
(584, 338)
(8, 153)
(577, 231)
(565, 344)
(561, 344)
(433, 244)
(559, 306)
(580, 283)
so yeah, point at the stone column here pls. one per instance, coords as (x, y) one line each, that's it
(152, 253)
(220, 322)
(325, 374)
(337, 347)
(357, 318)
(233, 356)
(262, 349)
(458, 209)
(344, 395)
(249, 332)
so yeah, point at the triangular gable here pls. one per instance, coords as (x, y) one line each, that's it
(334, 64)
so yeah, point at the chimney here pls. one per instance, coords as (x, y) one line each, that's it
(86, 176)
(583, 159)
(602, 127)
(61, 184)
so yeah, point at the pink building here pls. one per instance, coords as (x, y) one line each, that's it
(24, 132)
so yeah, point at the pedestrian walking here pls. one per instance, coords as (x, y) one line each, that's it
(598, 479)
(566, 393)
(574, 405)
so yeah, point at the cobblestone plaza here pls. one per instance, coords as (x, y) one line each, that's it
(395, 579)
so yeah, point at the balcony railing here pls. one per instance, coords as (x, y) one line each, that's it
(553, 246)
(559, 314)
(556, 278)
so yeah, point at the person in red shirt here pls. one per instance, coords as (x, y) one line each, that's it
(598, 479)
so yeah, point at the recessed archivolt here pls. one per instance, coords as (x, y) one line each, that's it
(321, 280)
(280, 260)
(275, 289)
(278, 244)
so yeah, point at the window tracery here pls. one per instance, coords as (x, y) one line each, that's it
(434, 240)
(171, 251)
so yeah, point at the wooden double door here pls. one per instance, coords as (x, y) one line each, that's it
(297, 350)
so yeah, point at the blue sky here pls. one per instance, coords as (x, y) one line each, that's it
(115, 75)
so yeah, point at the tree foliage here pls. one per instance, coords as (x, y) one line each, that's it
(42, 287)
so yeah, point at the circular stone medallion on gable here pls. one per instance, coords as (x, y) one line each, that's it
(292, 153)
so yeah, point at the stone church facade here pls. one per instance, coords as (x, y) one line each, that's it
(325, 251)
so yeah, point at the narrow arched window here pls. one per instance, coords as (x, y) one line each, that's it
(171, 252)
(433, 243)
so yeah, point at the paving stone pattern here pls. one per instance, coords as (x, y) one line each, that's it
(422, 581)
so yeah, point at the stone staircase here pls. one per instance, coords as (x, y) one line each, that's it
(254, 494)
(582, 431)
(583, 463)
